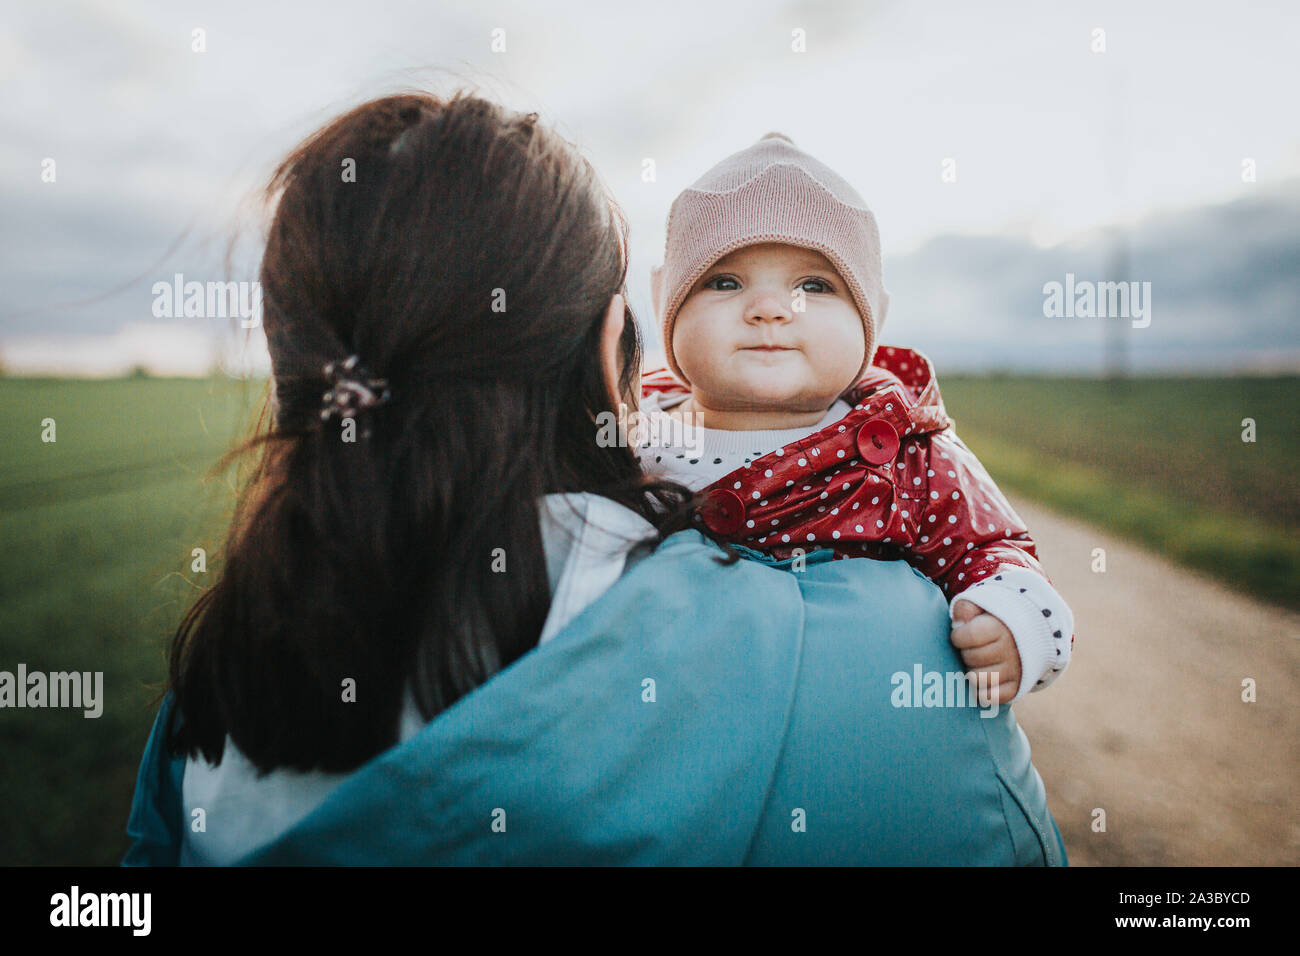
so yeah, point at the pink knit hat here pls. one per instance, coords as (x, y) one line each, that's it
(770, 192)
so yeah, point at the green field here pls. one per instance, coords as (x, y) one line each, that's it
(1161, 461)
(98, 529)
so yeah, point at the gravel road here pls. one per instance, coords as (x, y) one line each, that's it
(1148, 722)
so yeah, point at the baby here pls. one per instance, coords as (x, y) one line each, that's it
(806, 436)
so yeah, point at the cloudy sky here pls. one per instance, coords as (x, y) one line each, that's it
(1068, 157)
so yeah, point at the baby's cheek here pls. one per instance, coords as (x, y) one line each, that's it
(836, 361)
(696, 351)
(841, 340)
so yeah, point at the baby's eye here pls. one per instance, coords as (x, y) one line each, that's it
(713, 283)
(821, 285)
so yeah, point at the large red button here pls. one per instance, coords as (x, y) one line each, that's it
(723, 511)
(877, 441)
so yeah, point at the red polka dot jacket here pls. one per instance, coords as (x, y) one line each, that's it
(892, 480)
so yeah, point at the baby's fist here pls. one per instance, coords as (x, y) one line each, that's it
(987, 647)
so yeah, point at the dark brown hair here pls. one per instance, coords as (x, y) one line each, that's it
(372, 559)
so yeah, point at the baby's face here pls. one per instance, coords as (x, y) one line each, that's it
(743, 346)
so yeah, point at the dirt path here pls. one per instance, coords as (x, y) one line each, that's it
(1148, 722)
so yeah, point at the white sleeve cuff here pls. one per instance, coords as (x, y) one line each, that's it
(1036, 615)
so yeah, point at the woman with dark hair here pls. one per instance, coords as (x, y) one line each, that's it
(439, 620)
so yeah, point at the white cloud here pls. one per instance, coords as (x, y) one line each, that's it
(1051, 139)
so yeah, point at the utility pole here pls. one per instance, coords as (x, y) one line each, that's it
(1115, 344)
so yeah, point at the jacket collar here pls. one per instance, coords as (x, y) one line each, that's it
(911, 375)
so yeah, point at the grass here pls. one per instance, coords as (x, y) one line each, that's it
(98, 529)
(1160, 461)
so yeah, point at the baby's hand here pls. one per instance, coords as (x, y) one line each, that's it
(987, 647)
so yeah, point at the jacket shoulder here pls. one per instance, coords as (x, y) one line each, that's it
(904, 776)
(155, 823)
(641, 700)
(912, 374)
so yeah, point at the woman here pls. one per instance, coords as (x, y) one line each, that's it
(437, 636)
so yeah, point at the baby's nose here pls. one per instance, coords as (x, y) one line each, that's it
(769, 306)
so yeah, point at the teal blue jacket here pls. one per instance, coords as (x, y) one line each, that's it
(697, 713)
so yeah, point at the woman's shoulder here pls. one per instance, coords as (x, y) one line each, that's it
(654, 727)
(699, 712)
(645, 731)
(810, 654)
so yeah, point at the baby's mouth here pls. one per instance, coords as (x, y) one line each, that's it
(768, 348)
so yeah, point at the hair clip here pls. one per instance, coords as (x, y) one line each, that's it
(352, 390)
